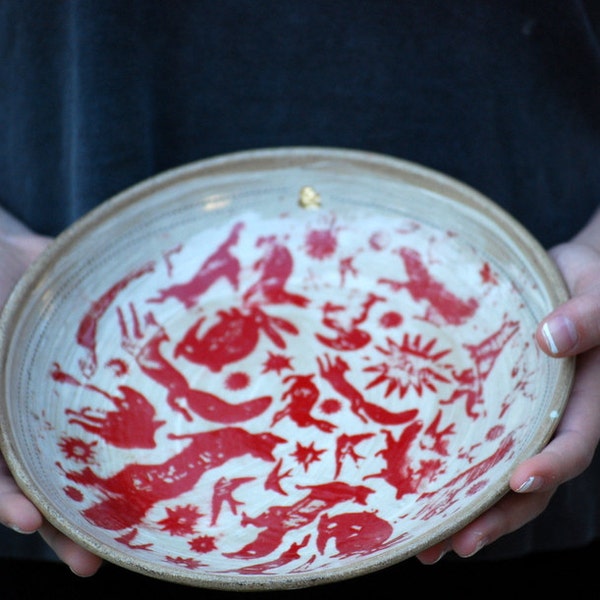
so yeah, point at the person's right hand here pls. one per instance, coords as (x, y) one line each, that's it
(571, 329)
(18, 249)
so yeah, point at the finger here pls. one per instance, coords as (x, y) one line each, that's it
(78, 559)
(509, 514)
(434, 553)
(573, 328)
(20, 514)
(16, 511)
(506, 516)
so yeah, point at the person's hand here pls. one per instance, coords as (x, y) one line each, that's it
(18, 249)
(571, 329)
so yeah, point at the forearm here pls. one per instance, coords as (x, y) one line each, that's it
(590, 234)
(19, 246)
(11, 226)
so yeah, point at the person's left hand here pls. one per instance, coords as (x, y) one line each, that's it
(18, 513)
(19, 247)
(571, 329)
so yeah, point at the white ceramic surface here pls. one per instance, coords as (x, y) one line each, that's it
(278, 368)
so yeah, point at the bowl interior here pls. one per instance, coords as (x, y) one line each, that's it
(278, 368)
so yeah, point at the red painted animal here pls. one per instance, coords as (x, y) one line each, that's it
(133, 423)
(220, 264)
(135, 489)
(442, 306)
(233, 337)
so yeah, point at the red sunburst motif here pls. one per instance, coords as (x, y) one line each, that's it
(180, 520)
(306, 455)
(277, 363)
(203, 543)
(410, 364)
(78, 450)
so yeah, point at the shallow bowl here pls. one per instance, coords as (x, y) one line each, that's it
(278, 368)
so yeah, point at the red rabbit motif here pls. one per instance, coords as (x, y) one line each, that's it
(233, 337)
(275, 267)
(354, 533)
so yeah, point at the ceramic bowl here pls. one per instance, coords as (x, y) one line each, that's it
(278, 368)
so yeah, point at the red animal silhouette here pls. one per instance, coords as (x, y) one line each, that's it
(233, 337)
(88, 327)
(443, 307)
(334, 372)
(470, 381)
(127, 540)
(349, 337)
(276, 521)
(345, 446)
(286, 557)
(303, 395)
(354, 533)
(135, 489)
(440, 438)
(220, 263)
(144, 346)
(132, 425)
(273, 481)
(275, 268)
(223, 492)
(398, 471)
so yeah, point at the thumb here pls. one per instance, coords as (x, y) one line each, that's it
(573, 327)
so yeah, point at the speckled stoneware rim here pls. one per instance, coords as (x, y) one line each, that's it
(311, 160)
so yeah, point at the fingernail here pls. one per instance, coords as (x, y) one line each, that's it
(480, 544)
(19, 530)
(560, 334)
(531, 484)
(440, 556)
